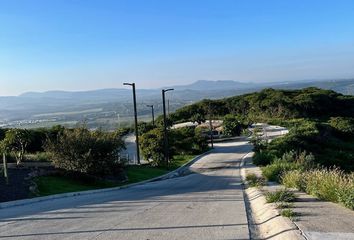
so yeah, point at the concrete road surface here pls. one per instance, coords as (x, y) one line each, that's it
(207, 204)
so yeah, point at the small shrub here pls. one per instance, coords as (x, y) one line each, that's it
(331, 185)
(302, 158)
(254, 181)
(289, 156)
(284, 205)
(282, 195)
(323, 184)
(294, 179)
(263, 158)
(289, 213)
(307, 161)
(346, 196)
(274, 171)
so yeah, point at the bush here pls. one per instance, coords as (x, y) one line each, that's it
(188, 140)
(281, 195)
(342, 125)
(306, 161)
(89, 152)
(152, 147)
(274, 171)
(232, 127)
(263, 158)
(182, 141)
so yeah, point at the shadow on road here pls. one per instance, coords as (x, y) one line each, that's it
(200, 187)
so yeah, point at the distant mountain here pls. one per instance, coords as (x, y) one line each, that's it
(99, 107)
(202, 85)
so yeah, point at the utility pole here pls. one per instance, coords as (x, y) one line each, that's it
(165, 124)
(152, 114)
(168, 107)
(118, 120)
(136, 122)
(5, 168)
(211, 128)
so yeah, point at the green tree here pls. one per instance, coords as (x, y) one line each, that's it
(144, 127)
(16, 141)
(152, 146)
(232, 127)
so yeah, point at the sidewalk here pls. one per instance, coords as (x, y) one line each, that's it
(316, 219)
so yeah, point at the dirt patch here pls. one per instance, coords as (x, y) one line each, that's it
(18, 186)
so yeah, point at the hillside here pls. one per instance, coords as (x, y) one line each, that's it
(100, 108)
(269, 103)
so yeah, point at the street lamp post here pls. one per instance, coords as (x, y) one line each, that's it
(136, 122)
(211, 128)
(152, 114)
(165, 124)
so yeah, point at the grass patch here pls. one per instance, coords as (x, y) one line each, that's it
(254, 181)
(146, 171)
(143, 172)
(281, 195)
(289, 213)
(180, 160)
(284, 205)
(49, 185)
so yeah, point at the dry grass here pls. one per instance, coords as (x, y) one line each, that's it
(326, 184)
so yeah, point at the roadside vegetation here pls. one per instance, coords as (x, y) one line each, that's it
(327, 184)
(316, 156)
(86, 159)
(254, 181)
(319, 149)
(280, 196)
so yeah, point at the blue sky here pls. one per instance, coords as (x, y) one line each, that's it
(89, 44)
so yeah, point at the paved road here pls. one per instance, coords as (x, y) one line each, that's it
(207, 204)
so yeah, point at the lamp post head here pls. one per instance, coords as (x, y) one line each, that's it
(130, 84)
(169, 89)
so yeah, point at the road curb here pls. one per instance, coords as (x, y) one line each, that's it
(175, 173)
(265, 222)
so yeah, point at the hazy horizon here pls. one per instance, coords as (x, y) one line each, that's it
(186, 84)
(87, 45)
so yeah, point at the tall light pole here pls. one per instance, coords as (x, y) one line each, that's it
(152, 114)
(211, 127)
(136, 122)
(168, 107)
(165, 124)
